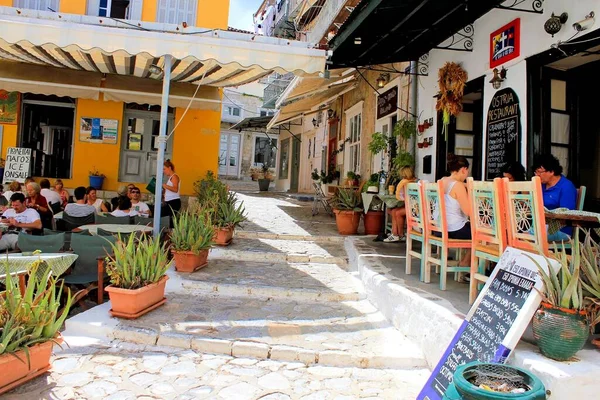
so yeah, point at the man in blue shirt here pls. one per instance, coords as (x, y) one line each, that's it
(558, 191)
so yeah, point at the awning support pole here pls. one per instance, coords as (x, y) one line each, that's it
(162, 144)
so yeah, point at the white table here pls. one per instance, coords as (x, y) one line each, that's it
(116, 228)
(18, 262)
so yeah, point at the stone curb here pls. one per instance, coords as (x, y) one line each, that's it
(268, 235)
(241, 255)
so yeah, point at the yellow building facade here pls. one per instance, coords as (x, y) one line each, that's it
(193, 147)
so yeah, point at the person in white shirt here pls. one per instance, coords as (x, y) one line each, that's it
(19, 218)
(14, 187)
(124, 208)
(79, 208)
(139, 206)
(94, 201)
(51, 196)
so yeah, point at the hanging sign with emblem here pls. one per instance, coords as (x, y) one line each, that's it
(505, 43)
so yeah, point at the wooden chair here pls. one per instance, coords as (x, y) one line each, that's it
(436, 233)
(525, 219)
(415, 227)
(581, 197)
(488, 229)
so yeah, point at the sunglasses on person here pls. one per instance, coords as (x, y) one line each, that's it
(135, 192)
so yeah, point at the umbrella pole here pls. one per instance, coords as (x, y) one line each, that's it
(162, 143)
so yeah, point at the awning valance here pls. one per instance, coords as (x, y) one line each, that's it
(252, 123)
(108, 46)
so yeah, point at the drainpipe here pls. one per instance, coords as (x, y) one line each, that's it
(414, 105)
(162, 143)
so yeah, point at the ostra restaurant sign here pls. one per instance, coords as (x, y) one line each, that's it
(505, 43)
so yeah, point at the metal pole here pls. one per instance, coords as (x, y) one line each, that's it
(162, 143)
(414, 105)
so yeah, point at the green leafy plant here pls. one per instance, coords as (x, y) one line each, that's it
(403, 159)
(95, 172)
(137, 262)
(192, 231)
(590, 277)
(379, 142)
(350, 175)
(325, 178)
(315, 175)
(405, 129)
(230, 213)
(346, 199)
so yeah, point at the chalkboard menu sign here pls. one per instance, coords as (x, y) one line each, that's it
(503, 132)
(387, 102)
(496, 321)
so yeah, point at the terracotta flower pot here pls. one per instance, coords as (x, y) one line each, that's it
(187, 261)
(223, 236)
(373, 222)
(347, 221)
(128, 303)
(16, 371)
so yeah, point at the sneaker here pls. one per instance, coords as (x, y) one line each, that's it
(391, 239)
(402, 239)
(466, 278)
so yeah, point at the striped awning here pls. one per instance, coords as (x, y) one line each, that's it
(216, 58)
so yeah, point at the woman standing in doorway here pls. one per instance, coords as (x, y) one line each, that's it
(171, 190)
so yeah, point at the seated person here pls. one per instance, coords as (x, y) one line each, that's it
(80, 208)
(124, 208)
(14, 187)
(60, 189)
(399, 213)
(38, 202)
(121, 191)
(515, 172)
(139, 206)
(51, 196)
(557, 190)
(94, 201)
(19, 219)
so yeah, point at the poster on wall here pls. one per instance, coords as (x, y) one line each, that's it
(9, 107)
(505, 43)
(503, 138)
(98, 130)
(17, 164)
(387, 102)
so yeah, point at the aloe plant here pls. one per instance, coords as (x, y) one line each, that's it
(192, 231)
(230, 213)
(590, 277)
(137, 262)
(346, 199)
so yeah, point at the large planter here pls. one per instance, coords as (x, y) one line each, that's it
(131, 304)
(373, 222)
(187, 261)
(263, 185)
(224, 236)
(96, 182)
(347, 221)
(560, 332)
(16, 370)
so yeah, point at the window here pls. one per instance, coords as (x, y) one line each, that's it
(354, 131)
(177, 11)
(120, 9)
(284, 159)
(41, 5)
(264, 151)
(265, 113)
(234, 111)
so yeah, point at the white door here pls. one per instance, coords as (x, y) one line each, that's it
(229, 154)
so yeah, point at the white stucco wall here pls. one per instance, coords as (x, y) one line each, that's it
(534, 40)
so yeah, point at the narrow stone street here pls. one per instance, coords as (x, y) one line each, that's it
(276, 315)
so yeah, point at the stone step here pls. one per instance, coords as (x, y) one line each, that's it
(344, 334)
(278, 250)
(245, 234)
(292, 281)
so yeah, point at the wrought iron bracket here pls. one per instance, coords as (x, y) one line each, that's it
(460, 41)
(423, 66)
(535, 6)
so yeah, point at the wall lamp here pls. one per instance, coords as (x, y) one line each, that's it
(554, 24)
(383, 80)
(315, 123)
(499, 77)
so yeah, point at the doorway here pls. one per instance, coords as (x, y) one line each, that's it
(295, 173)
(229, 154)
(139, 145)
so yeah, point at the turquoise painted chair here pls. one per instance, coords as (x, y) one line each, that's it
(415, 227)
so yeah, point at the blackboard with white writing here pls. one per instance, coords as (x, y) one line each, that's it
(496, 321)
(387, 102)
(503, 132)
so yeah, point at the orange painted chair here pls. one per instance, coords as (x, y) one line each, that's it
(415, 227)
(435, 222)
(525, 219)
(488, 229)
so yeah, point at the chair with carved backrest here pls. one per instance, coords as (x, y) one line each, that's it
(525, 219)
(488, 229)
(436, 233)
(415, 228)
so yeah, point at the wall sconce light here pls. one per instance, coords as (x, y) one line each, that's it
(383, 80)
(330, 113)
(554, 24)
(357, 40)
(499, 77)
(315, 123)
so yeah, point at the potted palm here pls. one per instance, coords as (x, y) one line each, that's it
(29, 325)
(347, 208)
(229, 215)
(137, 271)
(265, 181)
(191, 239)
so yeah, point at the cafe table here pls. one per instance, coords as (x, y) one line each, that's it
(562, 217)
(115, 228)
(18, 263)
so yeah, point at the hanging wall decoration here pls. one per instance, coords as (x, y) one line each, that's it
(452, 80)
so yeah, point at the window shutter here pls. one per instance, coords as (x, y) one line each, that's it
(172, 11)
(53, 4)
(190, 17)
(162, 11)
(93, 7)
(135, 10)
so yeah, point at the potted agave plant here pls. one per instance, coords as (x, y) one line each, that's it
(347, 206)
(229, 215)
(191, 239)
(29, 325)
(265, 181)
(137, 271)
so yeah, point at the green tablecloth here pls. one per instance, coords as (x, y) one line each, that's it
(59, 263)
(389, 200)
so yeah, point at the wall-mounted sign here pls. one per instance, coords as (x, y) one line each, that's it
(503, 132)
(9, 107)
(387, 102)
(18, 162)
(98, 130)
(496, 321)
(505, 43)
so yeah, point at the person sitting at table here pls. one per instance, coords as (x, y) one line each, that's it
(139, 206)
(94, 201)
(557, 191)
(124, 208)
(399, 213)
(52, 198)
(38, 202)
(14, 187)
(121, 191)
(80, 208)
(515, 172)
(129, 189)
(60, 189)
(19, 219)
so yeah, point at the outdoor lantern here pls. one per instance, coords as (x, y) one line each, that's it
(382, 80)
(315, 123)
(330, 113)
(554, 24)
(499, 77)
